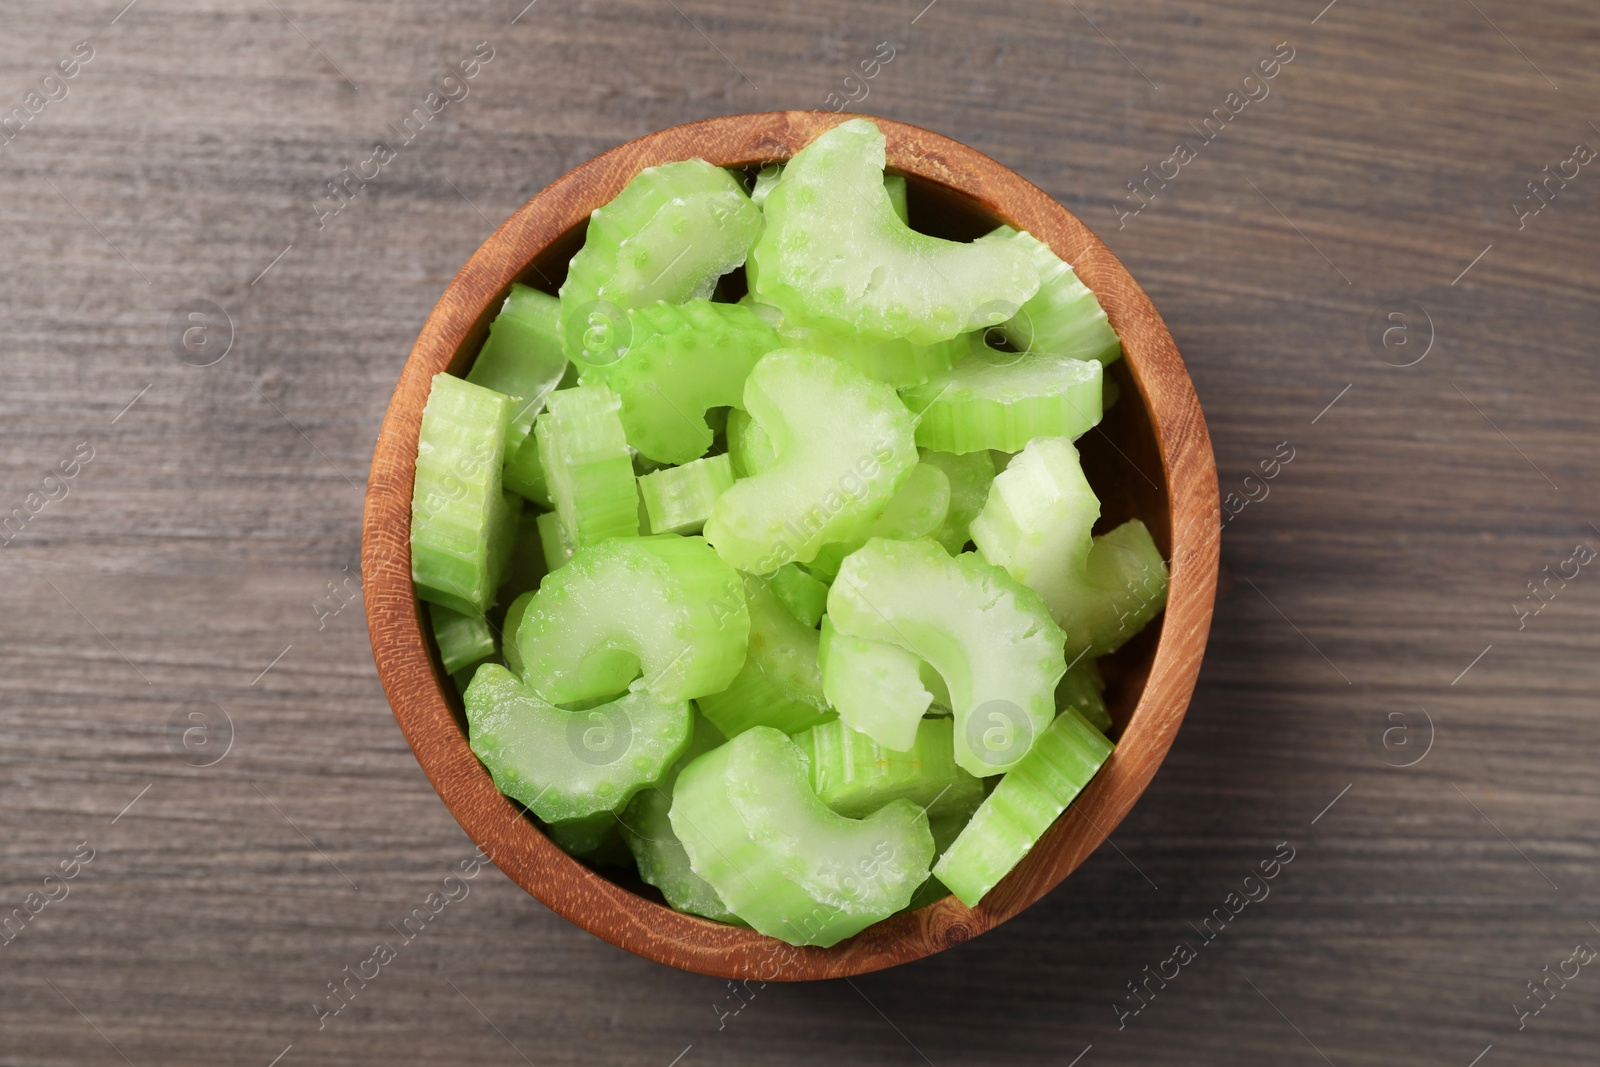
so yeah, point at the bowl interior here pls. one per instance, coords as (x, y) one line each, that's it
(1124, 458)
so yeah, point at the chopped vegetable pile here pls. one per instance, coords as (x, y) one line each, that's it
(793, 600)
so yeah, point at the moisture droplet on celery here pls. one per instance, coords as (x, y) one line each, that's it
(1022, 807)
(834, 252)
(1064, 318)
(1036, 524)
(587, 466)
(458, 513)
(666, 604)
(990, 638)
(780, 858)
(571, 764)
(844, 445)
(679, 499)
(1003, 400)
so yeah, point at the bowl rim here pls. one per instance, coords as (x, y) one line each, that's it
(497, 823)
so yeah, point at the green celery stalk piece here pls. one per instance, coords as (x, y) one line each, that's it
(1079, 690)
(667, 604)
(917, 509)
(946, 827)
(553, 541)
(780, 684)
(990, 638)
(458, 512)
(749, 448)
(877, 687)
(588, 468)
(804, 595)
(523, 358)
(835, 252)
(1063, 318)
(659, 854)
(1003, 400)
(508, 632)
(1025, 804)
(524, 474)
(844, 445)
(669, 235)
(565, 765)
(780, 858)
(464, 640)
(895, 186)
(767, 179)
(970, 477)
(855, 776)
(1037, 525)
(681, 361)
(679, 499)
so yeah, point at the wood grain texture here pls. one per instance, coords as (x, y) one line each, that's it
(1160, 420)
(219, 507)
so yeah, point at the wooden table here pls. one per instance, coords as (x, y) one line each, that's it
(188, 592)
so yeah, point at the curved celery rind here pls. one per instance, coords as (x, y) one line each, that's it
(458, 513)
(667, 604)
(523, 357)
(990, 638)
(1063, 318)
(916, 510)
(780, 858)
(669, 235)
(834, 252)
(567, 765)
(780, 684)
(681, 360)
(659, 854)
(844, 445)
(749, 447)
(584, 455)
(1036, 524)
(855, 776)
(876, 687)
(970, 477)
(1022, 807)
(679, 499)
(1003, 400)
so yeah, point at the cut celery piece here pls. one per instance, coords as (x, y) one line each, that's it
(917, 509)
(457, 510)
(804, 596)
(1078, 689)
(946, 826)
(464, 640)
(1036, 524)
(855, 776)
(749, 447)
(679, 499)
(970, 477)
(844, 445)
(571, 764)
(587, 466)
(896, 362)
(895, 186)
(656, 849)
(669, 235)
(526, 564)
(508, 632)
(1063, 318)
(681, 361)
(1003, 400)
(990, 638)
(553, 540)
(523, 358)
(876, 687)
(780, 684)
(834, 252)
(582, 837)
(524, 474)
(780, 858)
(667, 604)
(1022, 807)
(767, 179)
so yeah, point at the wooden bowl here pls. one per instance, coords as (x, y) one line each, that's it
(1150, 458)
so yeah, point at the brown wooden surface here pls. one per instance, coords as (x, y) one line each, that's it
(1166, 476)
(1386, 558)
